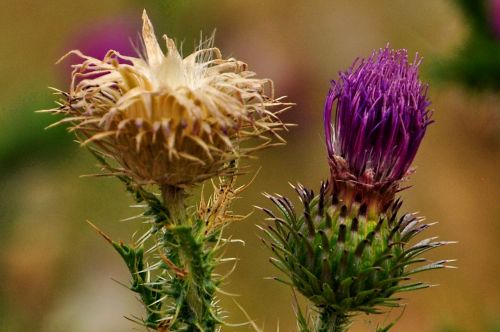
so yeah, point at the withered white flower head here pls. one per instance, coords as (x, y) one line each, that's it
(170, 120)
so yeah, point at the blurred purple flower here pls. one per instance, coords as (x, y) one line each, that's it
(494, 16)
(381, 115)
(118, 33)
(113, 33)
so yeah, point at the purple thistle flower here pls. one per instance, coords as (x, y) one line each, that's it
(381, 115)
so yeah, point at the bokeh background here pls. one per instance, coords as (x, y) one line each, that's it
(56, 273)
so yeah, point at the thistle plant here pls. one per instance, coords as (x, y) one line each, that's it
(350, 250)
(163, 124)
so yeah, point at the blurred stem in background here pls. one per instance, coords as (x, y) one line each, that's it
(23, 140)
(477, 62)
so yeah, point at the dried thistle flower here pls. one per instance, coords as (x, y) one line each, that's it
(381, 115)
(170, 120)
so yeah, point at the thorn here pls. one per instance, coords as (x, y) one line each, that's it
(178, 271)
(379, 225)
(342, 231)
(362, 210)
(309, 223)
(324, 240)
(101, 233)
(343, 212)
(335, 199)
(354, 224)
(361, 246)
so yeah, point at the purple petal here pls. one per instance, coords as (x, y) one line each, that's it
(381, 114)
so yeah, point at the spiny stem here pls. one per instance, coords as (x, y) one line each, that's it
(330, 320)
(173, 199)
(198, 283)
(195, 288)
(178, 295)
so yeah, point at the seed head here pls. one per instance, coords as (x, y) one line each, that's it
(166, 119)
(381, 115)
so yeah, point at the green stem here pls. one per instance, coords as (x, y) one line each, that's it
(180, 295)
(173, 198)
(330, 320)
(194, 289)
(185, 245)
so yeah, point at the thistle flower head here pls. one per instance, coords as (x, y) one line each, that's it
(166, 119)
(381, 115)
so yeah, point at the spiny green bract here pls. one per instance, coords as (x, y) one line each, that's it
(342, 260)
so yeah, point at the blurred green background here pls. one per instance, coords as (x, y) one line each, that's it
(56, 273)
